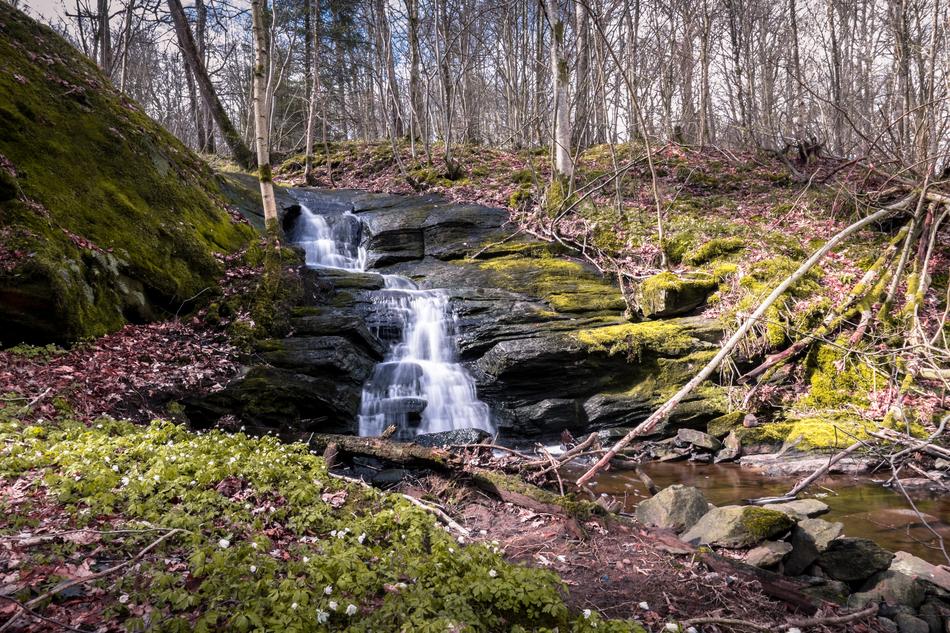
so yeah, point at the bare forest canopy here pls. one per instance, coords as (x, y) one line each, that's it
(833, 77)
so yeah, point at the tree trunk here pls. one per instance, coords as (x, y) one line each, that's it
(563, 164)
(105, 38)
(313, 81)
(186, 42)
(262, 115)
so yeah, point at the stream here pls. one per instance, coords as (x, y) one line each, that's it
(865, 507)
(420, 387)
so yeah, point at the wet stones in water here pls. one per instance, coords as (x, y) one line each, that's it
(731, 450)
(676, 508)
(738, 526)
(810, 537)
(854, 559)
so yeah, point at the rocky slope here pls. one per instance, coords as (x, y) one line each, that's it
(105, 217)
(543, 334)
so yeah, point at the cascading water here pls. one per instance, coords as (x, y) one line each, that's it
(420, 387)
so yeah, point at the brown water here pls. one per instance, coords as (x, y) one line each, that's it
(866, 508)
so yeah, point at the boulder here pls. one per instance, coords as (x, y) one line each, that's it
(738, 526)
(810, 537)
(934, 613)
(854, 559)
(937, 578)
(824, 588)
(891, 587)
(768, 553)
(676, 507)
(698, 439)
(801, 508)
(731, 450)
(667, 294)
(448, 438)
(907, 623)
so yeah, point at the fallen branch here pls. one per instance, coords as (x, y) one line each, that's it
(664, 411)
(812, 478)
(102, 574)
(442, 516)
(39, 616)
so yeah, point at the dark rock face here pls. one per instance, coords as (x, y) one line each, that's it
(448, 438)
(854, 559)
(535, 329)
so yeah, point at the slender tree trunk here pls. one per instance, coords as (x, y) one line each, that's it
(186, 42)
(416, 107)
(105, 38)
(262, 115)
(563, 164)
(313, 82)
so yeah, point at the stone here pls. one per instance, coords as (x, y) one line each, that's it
(448, 438)
(911, 624)
(667, 294)
(890, 587)
(854, 559)
(801, 508)
(731, 450)
(738, 526)
(934, 614)
(768, 553)
(887, 625)
(676, 507)
(789, 466)
(941, 464)
(824, 588)
(937, 577)
(698, 439)
(810, 537)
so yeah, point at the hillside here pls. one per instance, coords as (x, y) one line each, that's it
(105, 217)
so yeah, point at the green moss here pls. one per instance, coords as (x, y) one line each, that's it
(105, 190)
(636, 339)
(566, 285)
(764, 523)
(557, 197)
(837, 380)
(832, 431)
(722, 425)
(714, 249)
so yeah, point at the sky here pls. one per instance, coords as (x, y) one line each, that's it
(47, 10)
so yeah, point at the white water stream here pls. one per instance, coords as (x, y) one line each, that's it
(420, 387)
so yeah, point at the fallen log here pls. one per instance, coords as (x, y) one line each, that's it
(508, 488)
(772, 584)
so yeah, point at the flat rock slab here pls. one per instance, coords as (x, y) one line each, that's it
(738, 526)
(804, 465)
(698, 439)
(800, 508)
(920, 569)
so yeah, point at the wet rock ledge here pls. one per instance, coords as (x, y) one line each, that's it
(543, 334)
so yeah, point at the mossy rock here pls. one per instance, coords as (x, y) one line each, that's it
(724, 424)
(112, 218)
(667, 294)
(637, 339)
(738, 526)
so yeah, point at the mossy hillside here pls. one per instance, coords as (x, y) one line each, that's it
(270, 540)
(96, 179)
(567, 286)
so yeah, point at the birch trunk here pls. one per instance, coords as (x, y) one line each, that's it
(262, 115)
(563, 165)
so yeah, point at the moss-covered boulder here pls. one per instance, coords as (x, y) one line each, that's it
(667, 294)
(105, 217)
(738, 526)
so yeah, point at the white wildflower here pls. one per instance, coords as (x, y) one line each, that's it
(224, 543)
(587, 614)
(333, 605)
(672, 627)
(644, 605)
(306, 559)
(361, 538)
(125, 481)
(492, 573)
(293, 605)
(123, 598)
(328, 589)
(253, 545)
(322, 616)
(351, 609)
(461, 540)
(253, 569)
(115, 468)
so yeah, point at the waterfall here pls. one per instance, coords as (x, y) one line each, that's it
(420, 387)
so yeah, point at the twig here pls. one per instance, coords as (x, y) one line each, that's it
(833, 619)
(445, 518)
(38, 616)
(727, 621)
(102, 574)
